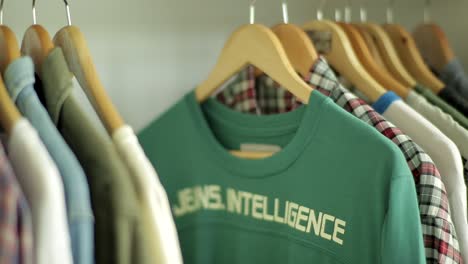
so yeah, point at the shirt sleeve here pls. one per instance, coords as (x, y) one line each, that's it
(164, 241)
(401, 233)
(443, 121)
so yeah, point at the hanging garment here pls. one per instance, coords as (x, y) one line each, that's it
(455, 99)
(439, 233)
(443, 121)
(16, 237)
(444, 152)
(41, 183)
(465, 161)
(155, 202)
(287, 208)
(19, 79)
(120, 236)
(453, 75)
(444, 106)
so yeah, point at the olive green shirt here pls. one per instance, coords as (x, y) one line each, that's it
(439, 102)
(119, 234)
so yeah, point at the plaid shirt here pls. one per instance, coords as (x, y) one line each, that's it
(15, 218)
(440, 239)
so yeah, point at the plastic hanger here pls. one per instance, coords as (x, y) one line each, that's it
(409, 53)
(36, 42)
(80, 63)
(369, 63)
(297, 44)
(432, 42)
(9, 51)
(255, 45)
(340, 54)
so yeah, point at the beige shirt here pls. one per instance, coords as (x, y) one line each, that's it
(153, 197)
(442, 120)
(40, 181)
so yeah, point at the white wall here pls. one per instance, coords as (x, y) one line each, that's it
(149, 53)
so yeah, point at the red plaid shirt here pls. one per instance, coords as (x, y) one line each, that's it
(15, 218)
(262, 95)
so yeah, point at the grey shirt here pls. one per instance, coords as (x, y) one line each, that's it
(454, 98)
(454, 76)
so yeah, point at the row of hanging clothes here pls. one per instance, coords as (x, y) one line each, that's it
(334, 142)
(75, 184)
(331, 142)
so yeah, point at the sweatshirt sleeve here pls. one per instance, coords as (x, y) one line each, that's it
(402, 240)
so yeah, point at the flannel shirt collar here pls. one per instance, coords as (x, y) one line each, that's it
(261, 95)
(240, 94)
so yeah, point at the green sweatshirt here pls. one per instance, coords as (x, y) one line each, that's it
(336, 192)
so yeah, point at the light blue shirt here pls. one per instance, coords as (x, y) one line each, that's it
(19, 79)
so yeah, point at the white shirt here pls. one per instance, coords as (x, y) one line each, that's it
(445, 155)
(440, 119)
(41, 183)
(154, 197)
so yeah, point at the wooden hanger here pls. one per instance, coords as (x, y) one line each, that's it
(258, 46)
(80, 63)
(255, 45)
(37, 44)
(298, 46)
(9, 48)
(369, 63)
(389, 54)
(372, 46)
(433, 45)
(251, 154)
(411, 58)
(9, 51)
(341, 56)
